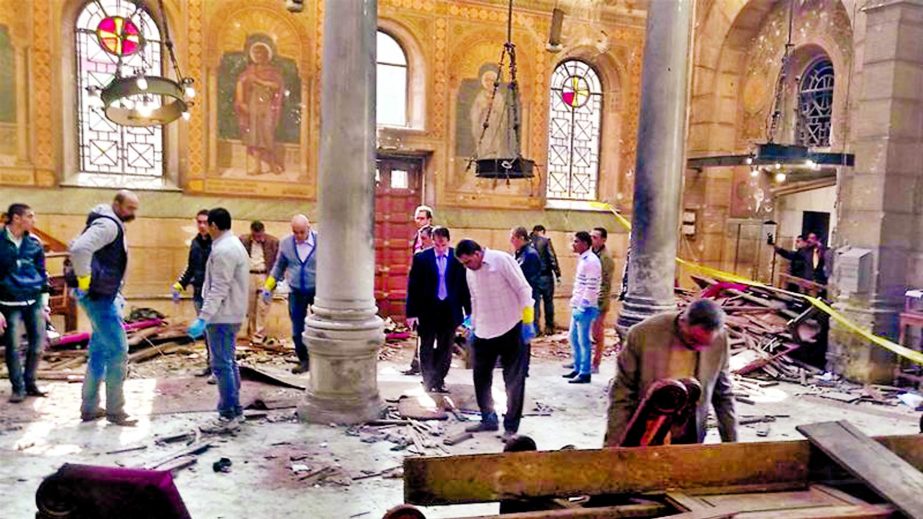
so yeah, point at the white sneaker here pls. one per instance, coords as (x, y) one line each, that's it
(221, 425)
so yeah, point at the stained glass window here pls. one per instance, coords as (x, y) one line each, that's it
(573, 132)
(815, 105)
(108, 31)
(391, 108)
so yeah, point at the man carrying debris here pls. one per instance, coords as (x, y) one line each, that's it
(23, 299)
(194, 274)
(297, 264)
(262, 249)
(100, 258)
(437, 301)
(224, 309)
(502, 316)
(675, 345)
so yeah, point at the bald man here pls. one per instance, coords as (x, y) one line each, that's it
(298, 263)
(100, 257)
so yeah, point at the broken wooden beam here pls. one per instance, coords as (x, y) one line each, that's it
(479, 478)
(886, 472)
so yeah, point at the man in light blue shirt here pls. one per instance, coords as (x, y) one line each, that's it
(298, 264)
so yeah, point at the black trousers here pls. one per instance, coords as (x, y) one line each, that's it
(546, 298)
(512, 352)
(436, 339)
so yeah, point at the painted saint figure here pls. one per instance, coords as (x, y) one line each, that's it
(258, 98)
(498, 142)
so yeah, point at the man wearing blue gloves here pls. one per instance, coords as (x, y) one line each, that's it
(502, 315)
(224, 307)
(583, 307)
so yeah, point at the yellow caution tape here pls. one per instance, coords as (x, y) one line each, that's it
(887, 344)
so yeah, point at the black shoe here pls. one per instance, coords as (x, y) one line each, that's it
(16, 398)
(572, 374)
(122, 419)
(582, 379)
(411, 371)
(204, 373)
(36, 391)
(441, 389)
(483, 427)
(93, 416)
(301, 368)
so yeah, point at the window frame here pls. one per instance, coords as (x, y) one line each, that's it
(407, 79)
(813, 68)
(598, 98)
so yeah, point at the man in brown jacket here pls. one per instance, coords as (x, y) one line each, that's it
(263, 249)
(599, 235)
(675, 345)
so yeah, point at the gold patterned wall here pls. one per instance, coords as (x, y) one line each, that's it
(235, 145)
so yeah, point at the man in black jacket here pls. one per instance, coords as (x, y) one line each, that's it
(23, 298)
(796, 261)
(437, 303)
(550, 275)
(194, 274)
(531, 266)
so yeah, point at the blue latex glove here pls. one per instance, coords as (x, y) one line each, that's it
(197, 329)
(266, 294)
(527, 333)
(467, 323)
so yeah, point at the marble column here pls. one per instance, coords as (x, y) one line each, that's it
(660, 161)
(344, 331)
(879, 207)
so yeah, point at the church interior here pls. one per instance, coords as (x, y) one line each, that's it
(757, 155)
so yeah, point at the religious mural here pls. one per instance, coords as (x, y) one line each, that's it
(259, 113)
(475, 104)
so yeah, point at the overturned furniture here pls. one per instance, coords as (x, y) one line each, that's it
(837, 473)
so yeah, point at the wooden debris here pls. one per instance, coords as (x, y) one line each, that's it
(458, 438)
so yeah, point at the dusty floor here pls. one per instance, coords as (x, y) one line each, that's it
(40, 435)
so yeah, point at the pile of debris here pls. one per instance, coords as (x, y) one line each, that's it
(765, 325)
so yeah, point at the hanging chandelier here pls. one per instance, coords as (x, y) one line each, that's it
(509, 164)
(772, 156)
(137, 95)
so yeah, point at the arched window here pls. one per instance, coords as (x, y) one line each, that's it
(391, 108)
(112, 154)
(815, 104)
(573, 132)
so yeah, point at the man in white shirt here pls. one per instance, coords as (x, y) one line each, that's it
(502, 315)
(584, 307)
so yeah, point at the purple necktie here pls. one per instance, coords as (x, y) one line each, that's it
(442, 292)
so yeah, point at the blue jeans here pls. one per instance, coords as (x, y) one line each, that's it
(108, 357)
(222, 341)
(298, 303)
(580, 324)
(31, 317)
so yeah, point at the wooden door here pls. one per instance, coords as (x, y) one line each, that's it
(398, 192)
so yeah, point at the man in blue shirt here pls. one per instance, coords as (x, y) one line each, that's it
(298, 264)
(23, 298)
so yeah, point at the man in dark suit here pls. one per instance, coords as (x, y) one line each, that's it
(550, 276)
(437, 303)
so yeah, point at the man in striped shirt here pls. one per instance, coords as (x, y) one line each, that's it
(583, 306)
(502, 315)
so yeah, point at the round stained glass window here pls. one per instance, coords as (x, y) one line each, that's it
(119, 36)
(575, 91)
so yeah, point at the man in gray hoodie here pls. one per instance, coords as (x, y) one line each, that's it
(100, 258)
(224, 308)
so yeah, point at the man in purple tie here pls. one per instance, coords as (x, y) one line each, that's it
(437, 303)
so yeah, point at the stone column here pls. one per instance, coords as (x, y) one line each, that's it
(660, 161)
(879, 199)
(344, 331)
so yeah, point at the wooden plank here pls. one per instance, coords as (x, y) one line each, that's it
(606, 512)
(478, 478)
(893, 478)
(826, 512)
